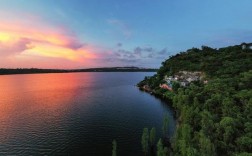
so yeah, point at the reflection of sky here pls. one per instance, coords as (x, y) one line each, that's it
(34, 103)
(94, 33)
(50, 114)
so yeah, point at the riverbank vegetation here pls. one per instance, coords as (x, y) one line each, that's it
(214, 114)
(148, 141)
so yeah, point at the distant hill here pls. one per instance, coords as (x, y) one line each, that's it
(5, 71)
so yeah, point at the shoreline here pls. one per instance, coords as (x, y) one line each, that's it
(167, 141)
(161, 97)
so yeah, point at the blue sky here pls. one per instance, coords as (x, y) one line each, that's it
(134, 32)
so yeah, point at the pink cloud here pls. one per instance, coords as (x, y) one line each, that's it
(15, 47)
(35, 28)
(36, 37)
(33, 42)
(46, 34)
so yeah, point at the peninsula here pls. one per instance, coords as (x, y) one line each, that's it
(210, 89)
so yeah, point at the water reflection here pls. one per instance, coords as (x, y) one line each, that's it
(78, 113)
(32, 103)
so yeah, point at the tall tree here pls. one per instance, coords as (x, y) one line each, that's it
(165, 124)
(161, 150)
(152, 135)
(114, 147)
(145, 140)
(206, 147)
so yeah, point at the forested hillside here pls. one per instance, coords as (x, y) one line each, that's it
(215, 117)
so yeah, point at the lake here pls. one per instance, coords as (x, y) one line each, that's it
(77, 114)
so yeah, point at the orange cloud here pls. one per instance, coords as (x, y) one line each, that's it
(32, 42)
(24, 38)
(12, 47)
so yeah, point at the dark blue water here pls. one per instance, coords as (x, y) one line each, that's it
(76, 114)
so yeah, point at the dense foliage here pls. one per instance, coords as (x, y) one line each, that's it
(213, 118)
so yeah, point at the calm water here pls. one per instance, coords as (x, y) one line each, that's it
(76, 114)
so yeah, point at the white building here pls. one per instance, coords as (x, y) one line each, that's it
(246, 46)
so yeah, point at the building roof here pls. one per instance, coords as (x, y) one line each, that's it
(247, 44)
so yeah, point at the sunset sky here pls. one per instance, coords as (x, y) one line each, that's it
(104, 33)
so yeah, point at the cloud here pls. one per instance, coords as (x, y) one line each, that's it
(118, 55)
(163, 52)
(149, 49)
(119, 44)
(138, 55)
(138, 51)
(151, 55)
(18, 37)
(228, 37)
(37, 43)
(129, 60)
(15, 47)
(43, 34)
(120, 27)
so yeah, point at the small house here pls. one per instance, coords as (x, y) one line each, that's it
(246, 46)
(184, 83)
(205, 82)
(165, 86)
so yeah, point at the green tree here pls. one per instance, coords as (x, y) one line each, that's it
(195, 102)
(161, 150)
(228, 108)
(186, 132)
(228, 125)
(207, 122)
(152, 136)
(165, 124)
(145, 140)
(114, 147)
(244, 143)
(175, 86)
(190, 151)
(206, 147)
